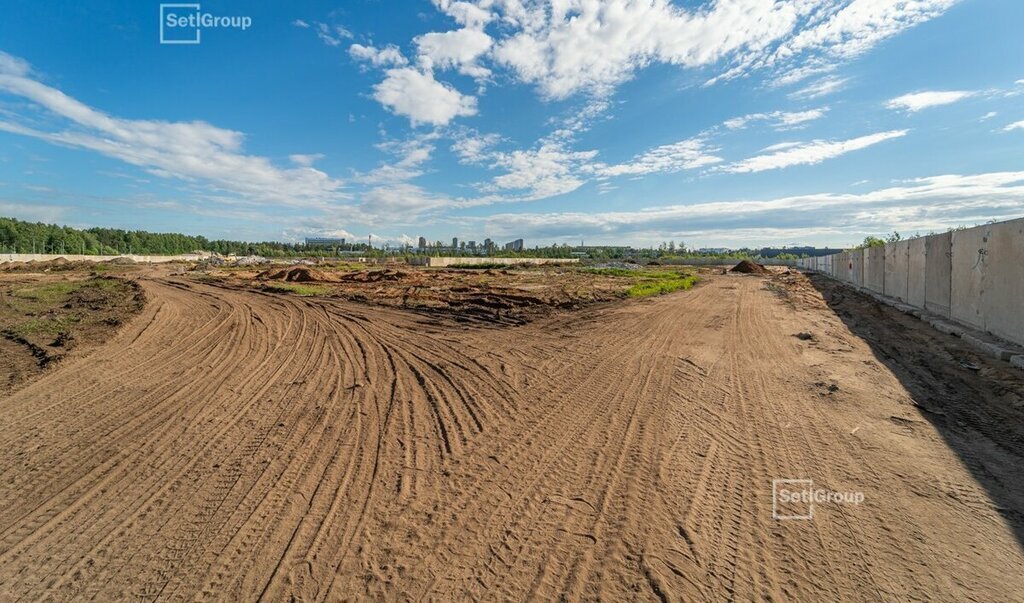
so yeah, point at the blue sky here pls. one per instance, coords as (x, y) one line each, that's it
(717, 123)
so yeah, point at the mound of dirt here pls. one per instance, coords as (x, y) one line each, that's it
(374, 276)
(748, 267)
(295, 274)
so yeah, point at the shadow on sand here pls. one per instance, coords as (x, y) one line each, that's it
(976, 403)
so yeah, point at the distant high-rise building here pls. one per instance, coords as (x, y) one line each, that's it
(471, 245)
(324, 242)
(516, 245)
(423, 243)
(455, 242)
(488, 245)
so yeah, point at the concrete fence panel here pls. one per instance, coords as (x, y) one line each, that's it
(938, 252)
(970, 248)
(916, 272)
(1002, 294)
(857, 261)
(896, 274)
(874, 269)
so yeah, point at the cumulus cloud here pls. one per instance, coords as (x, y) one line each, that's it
(457, 49)
(922, 100)
(417, 95)
(810, 153)
(190, 151)
(389, 56)
(547, 171)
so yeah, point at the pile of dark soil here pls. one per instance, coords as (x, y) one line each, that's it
(295, 274)
(748, 267)
(374, 276)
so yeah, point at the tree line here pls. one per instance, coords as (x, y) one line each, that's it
(17, 236)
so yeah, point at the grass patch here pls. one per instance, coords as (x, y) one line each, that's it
(661, 286)
(49, 293)
(298, 289)
(45, 326)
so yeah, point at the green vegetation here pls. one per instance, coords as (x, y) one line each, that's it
(49, 293)
(297, 289)
(661, 286)
(45, 326)
(17, 236)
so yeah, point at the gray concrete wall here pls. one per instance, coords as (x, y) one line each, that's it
(896, 275)
(1002, 299)
(974, 276)
(938, 273)
(471, 261)
(874, 269)
(916, 271)
(970, 248)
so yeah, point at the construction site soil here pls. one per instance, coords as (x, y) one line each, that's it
(233, 441)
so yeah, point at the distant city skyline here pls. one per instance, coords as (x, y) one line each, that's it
(721, 123)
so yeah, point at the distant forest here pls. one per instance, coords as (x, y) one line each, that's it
(17, 236)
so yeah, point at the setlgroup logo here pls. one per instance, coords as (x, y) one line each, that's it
(184, 23)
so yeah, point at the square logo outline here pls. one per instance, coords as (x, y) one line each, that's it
(163, 39)
(775, 499)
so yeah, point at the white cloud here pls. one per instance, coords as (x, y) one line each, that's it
(841, 30)
(547, 171)
(473, 147)
(424, 100)
(781, 120)
(300, 23)
(1017, 125)
(457, 49)
(306, 160)
(810, 153)
(988, 116)
(389, 56)
(577, 45)
(923, 204)
(332, 35)
(684, 155)
(190, 151)
(820, 88)
(922, 100)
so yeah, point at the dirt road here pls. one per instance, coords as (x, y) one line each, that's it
(238, 445)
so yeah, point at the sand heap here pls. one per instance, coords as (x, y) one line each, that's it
(748, 267)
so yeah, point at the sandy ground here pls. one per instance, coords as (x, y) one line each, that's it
(238, 445)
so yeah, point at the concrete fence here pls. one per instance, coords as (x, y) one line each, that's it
(973, 276)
